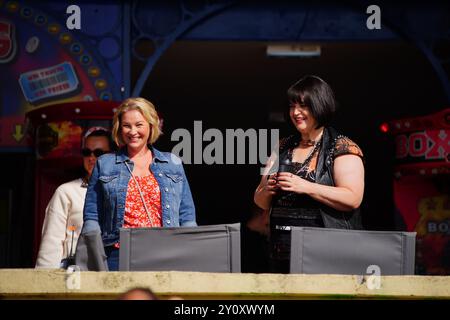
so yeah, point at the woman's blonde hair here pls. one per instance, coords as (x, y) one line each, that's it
(148, 111)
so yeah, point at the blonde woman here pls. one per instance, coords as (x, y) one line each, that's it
(138, 186)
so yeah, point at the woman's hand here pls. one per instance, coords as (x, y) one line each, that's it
(271, 184)
(293, 183)
(265, 191)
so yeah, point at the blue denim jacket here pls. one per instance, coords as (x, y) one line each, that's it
(107, 191)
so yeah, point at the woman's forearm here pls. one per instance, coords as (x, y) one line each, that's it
(339, 198)
(262, 198)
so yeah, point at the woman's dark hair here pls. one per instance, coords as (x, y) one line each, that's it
(315, 94)
(102, 133)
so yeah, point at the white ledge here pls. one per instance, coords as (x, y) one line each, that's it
(49, 284)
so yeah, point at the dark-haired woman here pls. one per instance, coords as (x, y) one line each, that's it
(324, 184)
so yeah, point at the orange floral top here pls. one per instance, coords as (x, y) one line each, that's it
(135, 215)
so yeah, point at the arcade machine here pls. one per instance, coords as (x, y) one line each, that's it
(57, 131)
(422, 186)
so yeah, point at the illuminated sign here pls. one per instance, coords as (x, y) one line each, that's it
(427, 145)
(49, 82)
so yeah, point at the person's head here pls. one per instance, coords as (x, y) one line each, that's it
(138, 294)
(136, 123)
(96, 142)
(311, 102)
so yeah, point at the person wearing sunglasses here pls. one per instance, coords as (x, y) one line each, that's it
(138, 186)
(64, 213)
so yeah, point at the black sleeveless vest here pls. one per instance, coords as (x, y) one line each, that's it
(332, 218)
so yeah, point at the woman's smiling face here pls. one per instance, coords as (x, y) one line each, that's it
(301, 117)
(135, 129)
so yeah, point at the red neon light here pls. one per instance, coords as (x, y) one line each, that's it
(384, 127)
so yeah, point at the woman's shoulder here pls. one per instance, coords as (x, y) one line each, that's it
(69, 187)
(76, 183)
(170, 157)
(344, 145)
(173, 158)
(107, 159)
(109, 164)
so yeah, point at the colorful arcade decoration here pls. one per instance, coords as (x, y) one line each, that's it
(44, 63)
(422, 187)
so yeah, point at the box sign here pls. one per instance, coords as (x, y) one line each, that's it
(427, 145)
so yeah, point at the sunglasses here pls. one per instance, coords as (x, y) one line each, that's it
(86, 152)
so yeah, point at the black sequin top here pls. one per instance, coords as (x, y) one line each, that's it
(307, 168)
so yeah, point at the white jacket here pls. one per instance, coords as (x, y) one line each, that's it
(65, 209)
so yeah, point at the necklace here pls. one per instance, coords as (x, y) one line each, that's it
(305, 163)
(310, 142)
(307, 143)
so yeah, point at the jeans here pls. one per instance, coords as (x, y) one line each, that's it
(113, 258)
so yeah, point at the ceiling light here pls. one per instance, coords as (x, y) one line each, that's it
(293, 50)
